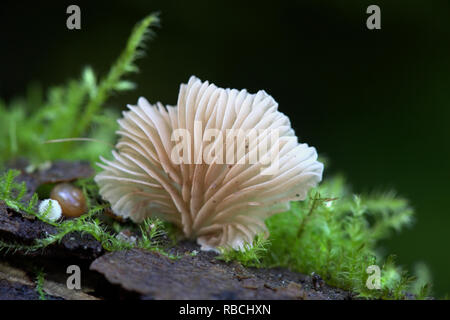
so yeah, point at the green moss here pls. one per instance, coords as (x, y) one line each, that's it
(250, 256)
(12, 192)
(40, 278)
(335, 234)
(71, 111)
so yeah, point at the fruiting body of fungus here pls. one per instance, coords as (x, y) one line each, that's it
(50, 209)
(70, 198)
(193, 183)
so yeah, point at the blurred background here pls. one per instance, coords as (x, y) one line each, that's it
(376, 103)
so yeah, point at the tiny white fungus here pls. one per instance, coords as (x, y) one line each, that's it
(55, 211)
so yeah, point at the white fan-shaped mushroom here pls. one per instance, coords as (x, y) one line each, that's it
(216, 165)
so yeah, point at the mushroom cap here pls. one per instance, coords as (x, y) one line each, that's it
(51, 209)
(171, 162)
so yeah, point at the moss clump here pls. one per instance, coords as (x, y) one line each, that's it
(335, 234)
(11, 193)
(250, 256)
(70, 112)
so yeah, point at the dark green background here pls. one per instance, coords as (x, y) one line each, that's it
(376, 103)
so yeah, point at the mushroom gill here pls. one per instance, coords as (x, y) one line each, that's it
(216, 165)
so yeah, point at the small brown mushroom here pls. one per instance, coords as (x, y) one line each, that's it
(70, 198)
